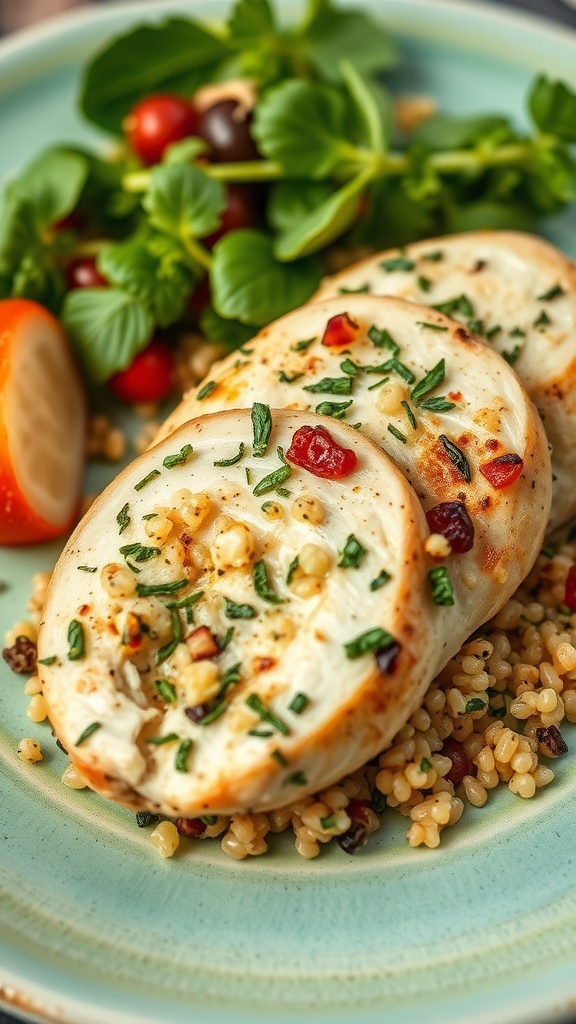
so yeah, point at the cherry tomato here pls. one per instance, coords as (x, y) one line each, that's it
(226, 129)
(83, 273)
(155, 122)
(240, 212)
(314, 449)
(148, 378)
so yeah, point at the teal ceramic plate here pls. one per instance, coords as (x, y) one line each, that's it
(95, 926)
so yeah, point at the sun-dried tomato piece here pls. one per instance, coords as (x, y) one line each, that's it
(461, 763)
(21, 657)
(341, 330)
(570, 589)
(451, 519)
(502, 471)
(314, 449)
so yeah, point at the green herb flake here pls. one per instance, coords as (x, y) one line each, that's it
(285, 378)
(512, 355)
(274, 479)
(493, 332)
(380, 581)
(209, 819)
(261, 734)
(331, 386)
(164, 652)
(292, 569)
(166, 690)
(279, 757)
(225, 641)
(254, 702)
(187, 605)
(150, 515)
(216, 712)
(181, 759)
(362, 290)
(150, 590)
(429, 382)
(160, 741)
(246, 351)
(48, 661)
(123, 518)
(434, 256)
(368, 642)
(76, 645)
(87, 568)
(261, 428)
(382, 339)
(299, 703)
(347, 366)
(222, 463)
(410, 415)
(542, 321)
(474, 704)
(431, 327)
(301, 346)
(457, 457)
(179, 459)
(238, 611)
(476, 326)
(138, 552)
(146, 480)
(261, 584)
(87, 733)
(516, 332)
(328, 822)
(397, 263)
(395, 366)
(337, 410)
(248, 475)
(397, 433)
(425, 765)
(439, 404)
(351, 554)
(552, 293)
(206, 391)
(424, 283)
(146, 818)
(441, 586)
(373, 387)
(460, 304)
(282, 492)
(296, 779)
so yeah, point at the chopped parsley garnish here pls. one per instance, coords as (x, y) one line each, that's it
(166, 690)
(238, 611)
(48, 661)
(301, 346)
(284, 378)
(457, 457)
(206, 390)
(410, 415)
(553, 293)
(425, 765)
(351, 554)
(75, 640)
(225, 641)
(396, 433)
(212, 714)
(282, 492)
(431, 327)
(380, 580)
(516, 332)
(179, 459)
(424, 283)
(296, 779)
(172, 644)
(187, 605)
(261, 734)
(543, 320)
(362, 290)
(279, 757)
(368, 642)
(88, 732)
(245, 351)
(138, 552)
(337, 410)
(431, 380)
(256, 704)
(476, 326)
(222, 463)
(248, 475)
(512, 355)
(493, 332)
(123, 518)
(150, 515)
(145, 590)
(437, 405)
(434, 256)
(209, 819)
(159, 741)
(261, 585)
(147, 479)
(349, 367)
(397, 263)
(331, 386)
(474, 704)
(441, 586)
(181, 759)
(261, 428)
(395, 366)
(299, 703)
(373, 387)
(292, 569)
(382, 339)
(274, 479)
(87, 568)
(328, 822)
(460, 304)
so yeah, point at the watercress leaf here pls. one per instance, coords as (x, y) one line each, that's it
(151, 268)
(184, 151)
(177, 55)
(332, 34)
(250, 285)
(52, 184)
(324, 224)
(18, 232)
(444, 131)
(224, 331)
(107, 328)
(184, 202)
(555, 170)
(373, 106)
(27, 268)
(394, 218)
(249, 20)
(552, 106)
(290, 201)
(304, 126)
(474, 216)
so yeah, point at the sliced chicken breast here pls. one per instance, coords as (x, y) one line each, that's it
(242, 617)
(515, 291)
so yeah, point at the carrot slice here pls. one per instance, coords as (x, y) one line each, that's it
(42, 426)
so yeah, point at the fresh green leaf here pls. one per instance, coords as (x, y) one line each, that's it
(441, 586)
(184, 151)
(107, 328)
(274, 479)
(261, 428)
(250, 285)
(331, 386)
(238, 611)
(76, 641)
(444, 131)
(352, 554)
(375, 116)
(261, 584)
(177, 55)
(292, 201)
(184, 202)
(332, 35)
(52, 184)
(152, 268)
(337, 410)
(327, 222)
(552, 106)
(249, 20)
(225, 331)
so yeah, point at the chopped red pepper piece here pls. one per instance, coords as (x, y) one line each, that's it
(503, 471)
(570, 589)
(451, 519)
(314, 449)
(341, 330)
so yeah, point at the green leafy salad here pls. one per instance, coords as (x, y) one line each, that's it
(243, 153)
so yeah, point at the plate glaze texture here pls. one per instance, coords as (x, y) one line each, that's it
(94, 925)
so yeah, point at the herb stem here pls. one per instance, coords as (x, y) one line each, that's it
(248, 170)
(197, 251)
